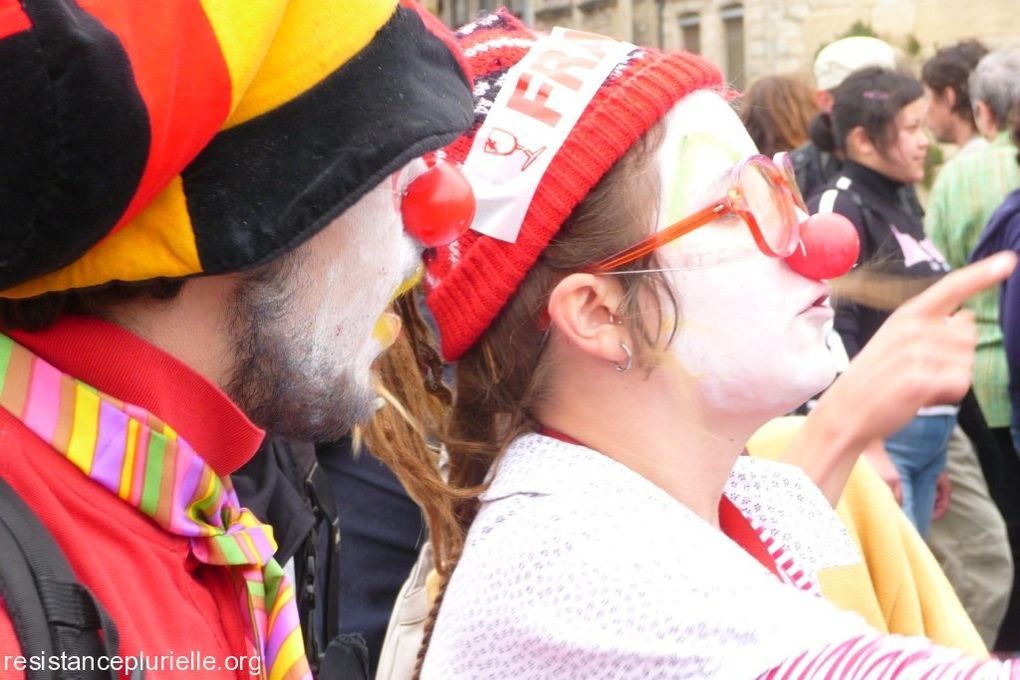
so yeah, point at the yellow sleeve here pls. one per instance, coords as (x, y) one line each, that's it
(898, 587)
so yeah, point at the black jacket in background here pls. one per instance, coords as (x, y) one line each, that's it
(352, 534)
(893, 243)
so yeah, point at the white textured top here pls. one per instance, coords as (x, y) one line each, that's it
(578, 568)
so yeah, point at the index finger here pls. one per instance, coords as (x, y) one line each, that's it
(946, 296)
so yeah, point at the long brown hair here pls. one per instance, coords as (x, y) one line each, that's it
(776, 110)
(504, 378)
(404, 432)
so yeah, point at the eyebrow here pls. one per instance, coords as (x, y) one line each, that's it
(715, 181)
(711, 191)
(707, 195)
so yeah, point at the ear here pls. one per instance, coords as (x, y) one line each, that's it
(985, 120)
(823, 100)
(949, 97)
(582, 308)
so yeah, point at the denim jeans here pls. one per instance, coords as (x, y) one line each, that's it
(919, 453)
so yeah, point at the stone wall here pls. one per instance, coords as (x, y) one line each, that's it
(784, 35)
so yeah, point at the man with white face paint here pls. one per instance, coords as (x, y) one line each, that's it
(205, 212)
(608, 311)
(309, 325)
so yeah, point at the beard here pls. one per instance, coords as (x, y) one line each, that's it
(276, 379)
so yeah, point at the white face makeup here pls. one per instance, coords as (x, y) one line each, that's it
(309, 328)
(355, 272)
(751, 331)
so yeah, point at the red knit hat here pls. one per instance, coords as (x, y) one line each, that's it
(469, 281)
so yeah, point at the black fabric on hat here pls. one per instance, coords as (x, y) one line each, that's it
(79, 160)
(75, 138)
(265, 186)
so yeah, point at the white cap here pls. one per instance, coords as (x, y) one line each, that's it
(839, 59)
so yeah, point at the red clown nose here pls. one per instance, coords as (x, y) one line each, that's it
(829, 246)
(438, 205)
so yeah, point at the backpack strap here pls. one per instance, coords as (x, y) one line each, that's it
(842, 184)
(320, 555)
(867, 212)
(52, 613)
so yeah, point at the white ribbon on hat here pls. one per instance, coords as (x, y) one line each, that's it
(541, 100)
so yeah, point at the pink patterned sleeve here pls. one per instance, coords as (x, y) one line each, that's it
(889, 656)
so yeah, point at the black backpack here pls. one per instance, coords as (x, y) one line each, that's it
(284, 485)
(54, 616)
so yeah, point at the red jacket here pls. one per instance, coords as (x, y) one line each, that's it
(162, 600)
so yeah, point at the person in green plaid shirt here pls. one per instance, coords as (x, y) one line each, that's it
(966, 193)
(969, 539)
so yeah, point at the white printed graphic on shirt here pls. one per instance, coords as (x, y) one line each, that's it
(915, 251)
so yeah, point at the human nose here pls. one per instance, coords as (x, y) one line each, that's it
(438, 205)
(828, 247)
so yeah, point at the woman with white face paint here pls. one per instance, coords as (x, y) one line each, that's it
(639, 293)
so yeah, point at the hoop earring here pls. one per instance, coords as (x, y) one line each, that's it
(630, 358)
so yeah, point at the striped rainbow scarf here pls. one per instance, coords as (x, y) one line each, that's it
(139, 458)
